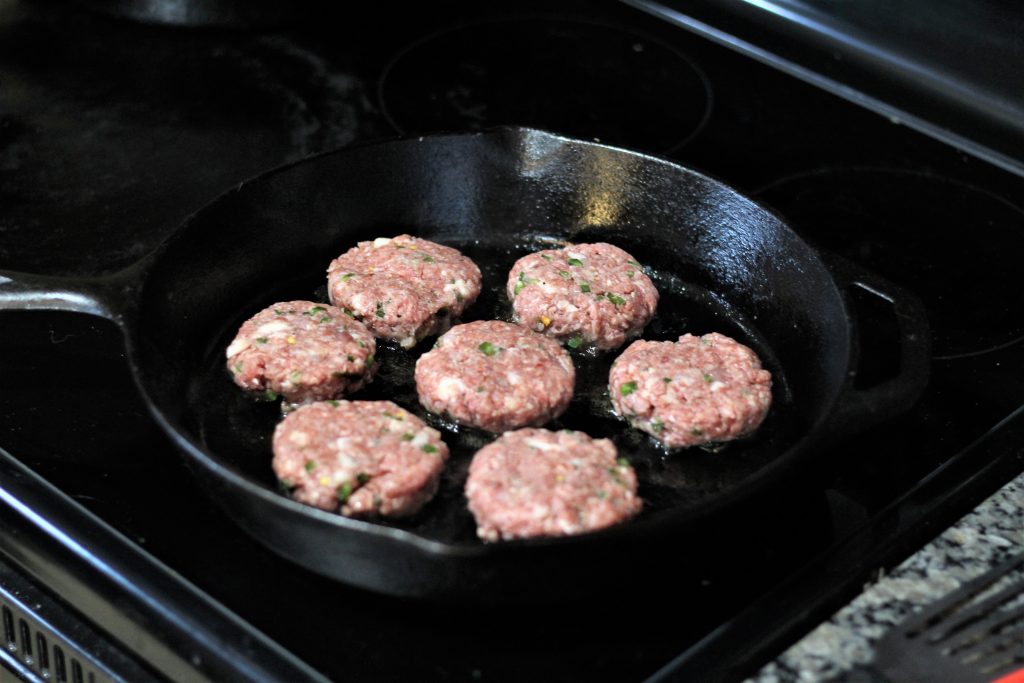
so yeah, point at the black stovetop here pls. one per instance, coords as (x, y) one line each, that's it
(112, 132)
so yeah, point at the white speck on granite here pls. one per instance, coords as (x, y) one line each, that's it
(990, 534)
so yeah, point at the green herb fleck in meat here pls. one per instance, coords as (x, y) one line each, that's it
(545, 257)
(622, 462)
(369, 360)
(428, 259)
(380, 310)
(585, 288)
(565, 273)
(602, 494)
(708, 378)
(696, 432)
(268, 395)
(523, 281)
(348, 313)
(428, 448)
(616, 299)
(310, 465)
(657, 425)
(630, 274)
(344, 491)
(237, 368)
(574, 262)
(627, 388)
(346, 277)
(350, 359)
(261, 340)
(575, 342)
(361, 343)
(634, 263)
(488, 349)
(295, 376)
(334, 404)
(666, 380)
(408, 436)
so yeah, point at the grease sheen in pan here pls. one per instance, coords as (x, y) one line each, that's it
(238, 428)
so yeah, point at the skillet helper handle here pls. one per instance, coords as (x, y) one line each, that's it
(108, 296)
(860, 408)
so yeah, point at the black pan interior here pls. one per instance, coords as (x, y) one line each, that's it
(238, 428)
(720, 263)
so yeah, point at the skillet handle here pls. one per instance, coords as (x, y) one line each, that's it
(109, 296)
(858, 409)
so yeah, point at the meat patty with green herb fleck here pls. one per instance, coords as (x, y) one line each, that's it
(535, 482)
(695, 391)
(582, 295)
(303, 351)
(496, 376)
(362, 458)
(403, 288)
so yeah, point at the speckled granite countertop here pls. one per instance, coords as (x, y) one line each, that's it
(990, 534)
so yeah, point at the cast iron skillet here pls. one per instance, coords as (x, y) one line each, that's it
(721, 262)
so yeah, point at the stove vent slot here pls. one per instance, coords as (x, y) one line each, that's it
(38, 649)
(9, 640)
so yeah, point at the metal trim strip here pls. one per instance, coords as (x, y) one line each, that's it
(151, 611)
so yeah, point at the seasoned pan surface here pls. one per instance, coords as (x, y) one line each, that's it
(237, 429)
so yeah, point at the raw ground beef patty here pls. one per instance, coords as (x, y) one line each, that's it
(584, 294)
(496, 376)
(303, 351)
(694, 391)
(367, 458)
(535, 482)
(403, 288)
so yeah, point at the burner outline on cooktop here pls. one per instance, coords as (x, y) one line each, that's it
(690, 78)
(946, 241)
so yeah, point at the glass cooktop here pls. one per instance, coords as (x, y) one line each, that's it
(114, 130)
